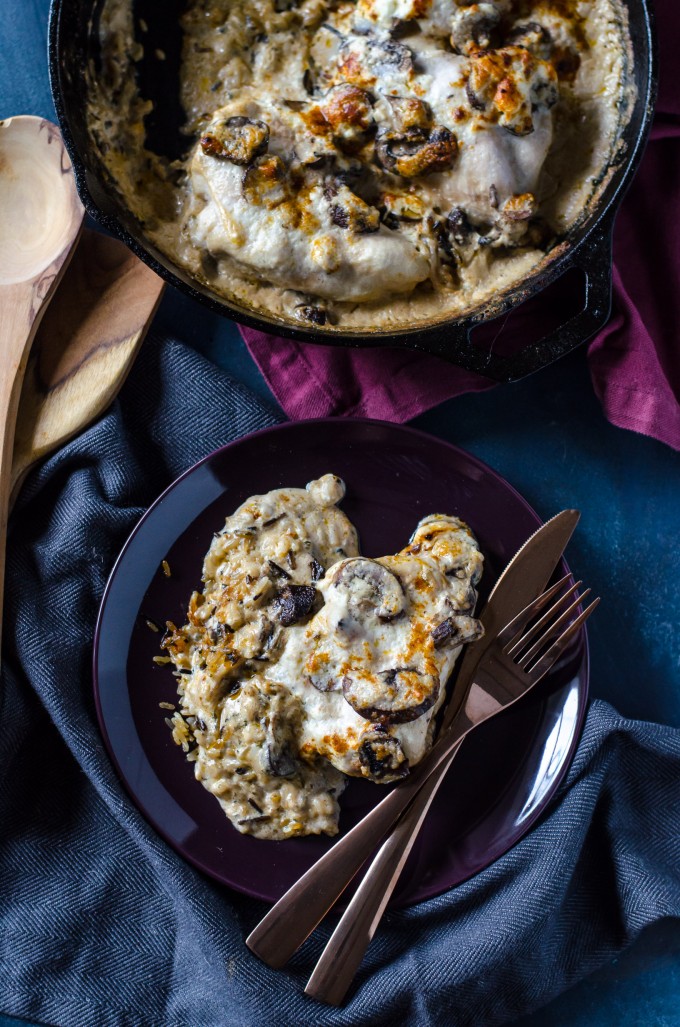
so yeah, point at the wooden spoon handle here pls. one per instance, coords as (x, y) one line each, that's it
(21, 309)
(40, 220)
(84, 348)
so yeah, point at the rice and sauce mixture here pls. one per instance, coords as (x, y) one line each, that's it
(303, 663)
(363, 163)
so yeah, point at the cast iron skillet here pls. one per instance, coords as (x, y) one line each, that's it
(73, 44)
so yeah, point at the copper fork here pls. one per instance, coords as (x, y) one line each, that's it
(294, 917)
(517, 659)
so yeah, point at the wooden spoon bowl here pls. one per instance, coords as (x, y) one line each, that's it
(40, 220)
(39, 208)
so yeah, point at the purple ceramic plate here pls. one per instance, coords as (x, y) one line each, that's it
(505, 774)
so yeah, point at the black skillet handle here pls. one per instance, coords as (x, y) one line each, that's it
(594, 258)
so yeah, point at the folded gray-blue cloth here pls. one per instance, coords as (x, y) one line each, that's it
(101, 923)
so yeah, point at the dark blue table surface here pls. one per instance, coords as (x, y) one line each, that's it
(547, 435)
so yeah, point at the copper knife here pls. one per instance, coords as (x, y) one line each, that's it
(287, 925)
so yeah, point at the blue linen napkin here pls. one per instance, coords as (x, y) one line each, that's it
(102, 924)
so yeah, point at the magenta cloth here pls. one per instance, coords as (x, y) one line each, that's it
(634, 361)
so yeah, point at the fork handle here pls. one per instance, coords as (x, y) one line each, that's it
(290, 922)
(343, 954)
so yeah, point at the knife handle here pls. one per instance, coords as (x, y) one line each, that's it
(290, 922)
(343, 954)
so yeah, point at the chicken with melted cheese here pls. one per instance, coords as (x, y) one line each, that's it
(373, 162)
(340, 194)
(303, 661)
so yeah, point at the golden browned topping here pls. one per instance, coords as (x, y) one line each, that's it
(416, 151)
(509, 85)
(346, 114)
(265, 183)
(239, 140)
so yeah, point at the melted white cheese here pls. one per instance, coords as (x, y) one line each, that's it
(294, 243)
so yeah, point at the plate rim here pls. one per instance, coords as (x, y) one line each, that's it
(490, 856)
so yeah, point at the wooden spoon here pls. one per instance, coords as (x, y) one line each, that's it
(40, 220)
(84, 347)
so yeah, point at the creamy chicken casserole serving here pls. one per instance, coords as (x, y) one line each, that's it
(303, 662)
(361, 163)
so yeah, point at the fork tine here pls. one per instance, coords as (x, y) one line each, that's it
(529, 612)
(520, 641)
(551, 632)
(557, 648)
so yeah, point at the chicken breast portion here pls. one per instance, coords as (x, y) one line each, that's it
(371, 666)
(268, 206)
(302, 661)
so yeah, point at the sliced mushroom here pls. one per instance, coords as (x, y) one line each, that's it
(350, 212)
(218, 632)
(532, 37)
(520, 207)
(320, 667)
(293, 602)
(256, 639)
(472, 27)
(349, 174)
(445, 252)
(278, 753)
(364, 588)
(323, 680)
(458, 226)
(316, 570)
(365, 59)
(390, 53)
(416, 152)
(382, 757)
(271, 638)
(238, 139)
(348, 112)
(446, 537)
(465, 600)
(277, 759)
(393, 696)
(265, 182)
(456, 631)
(305, 312)
(409, 112)
(277, 571)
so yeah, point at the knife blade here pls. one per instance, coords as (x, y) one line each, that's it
(524, 578)
(342, 956)
(290, 922)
